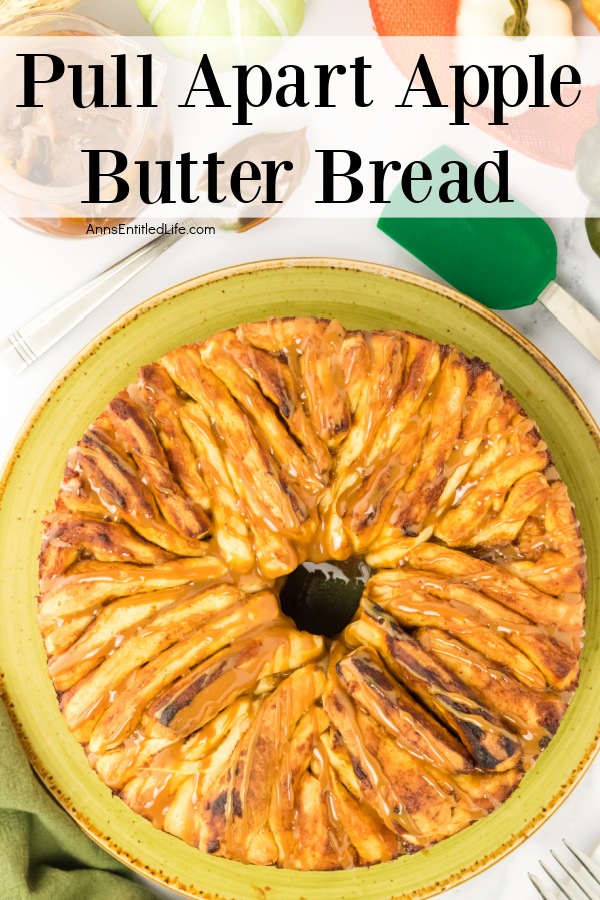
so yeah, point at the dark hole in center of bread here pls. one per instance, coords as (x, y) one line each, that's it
(322, 598)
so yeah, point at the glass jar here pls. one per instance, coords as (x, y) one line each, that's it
(44, 180)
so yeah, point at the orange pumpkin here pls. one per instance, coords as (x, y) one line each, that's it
(592, 10)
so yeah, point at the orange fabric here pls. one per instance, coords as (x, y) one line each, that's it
(418, 17)
(539, 133)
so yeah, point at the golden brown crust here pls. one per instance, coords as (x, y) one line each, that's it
(224, 466)
(492, 746)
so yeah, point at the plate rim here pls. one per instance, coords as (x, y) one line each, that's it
(248, 268)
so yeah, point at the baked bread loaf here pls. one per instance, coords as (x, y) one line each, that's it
(224, 467)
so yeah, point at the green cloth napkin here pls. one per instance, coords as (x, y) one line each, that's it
(43, 853)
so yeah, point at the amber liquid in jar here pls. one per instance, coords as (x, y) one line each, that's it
(43, 166)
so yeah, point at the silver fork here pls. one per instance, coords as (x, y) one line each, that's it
(589, 888)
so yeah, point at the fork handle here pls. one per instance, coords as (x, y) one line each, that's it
(21, 348)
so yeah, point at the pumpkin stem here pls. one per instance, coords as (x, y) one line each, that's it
(517, 24)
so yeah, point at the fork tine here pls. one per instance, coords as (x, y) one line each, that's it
(564, 890)
(590, 866)
(572, 874)
(540, 887)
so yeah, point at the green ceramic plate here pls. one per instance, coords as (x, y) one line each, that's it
(360, 295)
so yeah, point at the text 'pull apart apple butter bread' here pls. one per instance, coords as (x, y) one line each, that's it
(227, 466)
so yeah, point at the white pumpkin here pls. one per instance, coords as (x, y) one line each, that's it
(239, 23)
(481, 41)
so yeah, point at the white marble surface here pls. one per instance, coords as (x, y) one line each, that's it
(37, 270)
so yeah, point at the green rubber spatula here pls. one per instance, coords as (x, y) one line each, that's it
(502, 260)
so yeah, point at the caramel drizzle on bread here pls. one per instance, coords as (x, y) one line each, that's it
(212, 477)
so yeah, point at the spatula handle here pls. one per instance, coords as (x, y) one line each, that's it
(580, 322)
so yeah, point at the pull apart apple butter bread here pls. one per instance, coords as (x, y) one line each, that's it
(187, 510)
